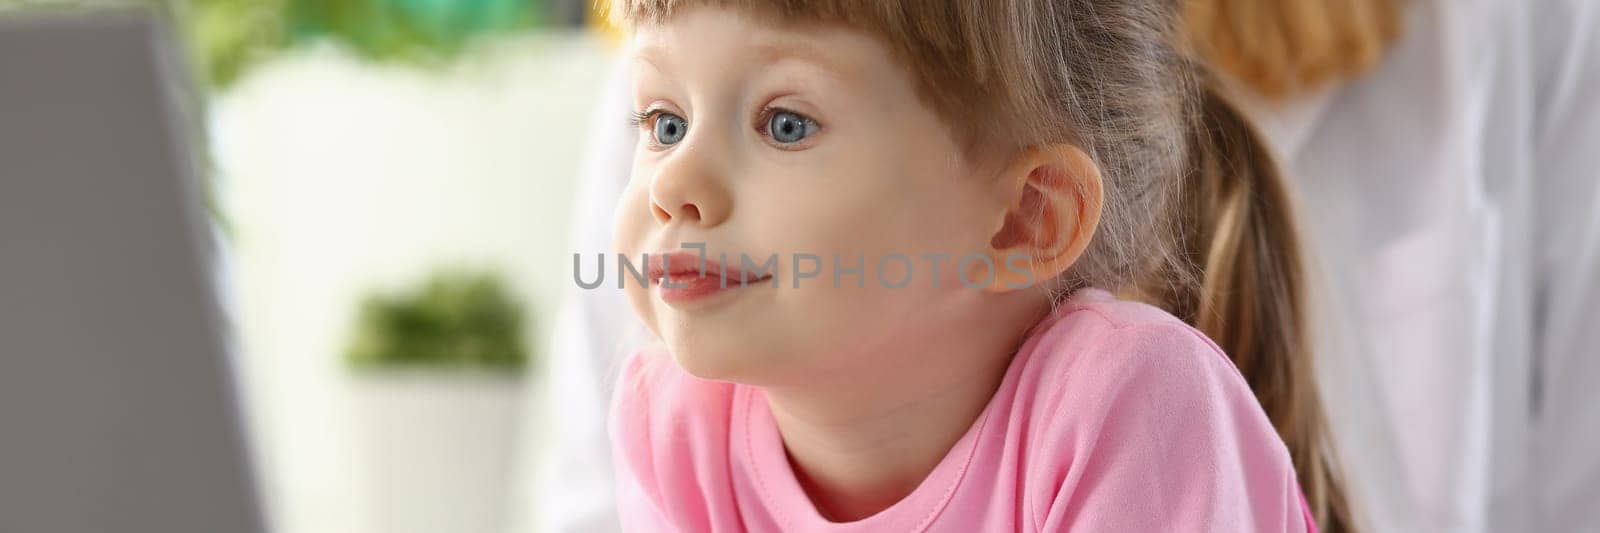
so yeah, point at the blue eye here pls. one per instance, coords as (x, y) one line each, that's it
(670, 129)
(789, 127)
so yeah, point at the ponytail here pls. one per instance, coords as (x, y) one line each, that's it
(1239, 235)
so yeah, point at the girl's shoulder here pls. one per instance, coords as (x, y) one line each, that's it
(1138, 421)
(1096, 340)
(668, 430)
(654, 400)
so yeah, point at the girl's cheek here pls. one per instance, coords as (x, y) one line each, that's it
(630, 221)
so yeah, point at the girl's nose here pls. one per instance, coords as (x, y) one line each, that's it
(688, 193)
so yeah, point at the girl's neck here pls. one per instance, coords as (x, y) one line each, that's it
(863, 441)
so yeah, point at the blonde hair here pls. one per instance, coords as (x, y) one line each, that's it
(1196, 217)
(1283, 47)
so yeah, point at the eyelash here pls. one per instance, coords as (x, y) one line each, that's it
(639, 119)
(764, 119)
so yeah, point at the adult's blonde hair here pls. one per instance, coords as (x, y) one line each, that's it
(1196, 217)
(1283, 47)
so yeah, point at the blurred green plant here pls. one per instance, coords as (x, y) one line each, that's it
(454, 320)
(225, 37)
(229, 36)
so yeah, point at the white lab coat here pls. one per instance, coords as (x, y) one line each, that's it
(1564, 437)
(1452, 213)
(1450, 205)
(574, 488)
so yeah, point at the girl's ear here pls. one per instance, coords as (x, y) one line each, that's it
(1053, 197)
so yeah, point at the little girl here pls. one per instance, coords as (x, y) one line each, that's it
(949, 265)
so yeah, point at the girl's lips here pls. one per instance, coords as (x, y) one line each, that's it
(682, 279)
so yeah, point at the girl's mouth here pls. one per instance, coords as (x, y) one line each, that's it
(685, 277)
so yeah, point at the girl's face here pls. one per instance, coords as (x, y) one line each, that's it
(804, 144)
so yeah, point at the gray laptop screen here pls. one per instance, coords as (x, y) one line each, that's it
(117, 407)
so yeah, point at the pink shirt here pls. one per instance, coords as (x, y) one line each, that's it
(1114, 416)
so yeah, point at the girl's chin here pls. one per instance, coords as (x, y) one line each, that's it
(704, 363)
(725, 360)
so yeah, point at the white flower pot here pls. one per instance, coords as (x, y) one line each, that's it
(435, 449)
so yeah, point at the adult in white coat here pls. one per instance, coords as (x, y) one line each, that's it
(1451, 204)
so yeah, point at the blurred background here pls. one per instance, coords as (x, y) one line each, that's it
(371, 157)
(392, 181)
